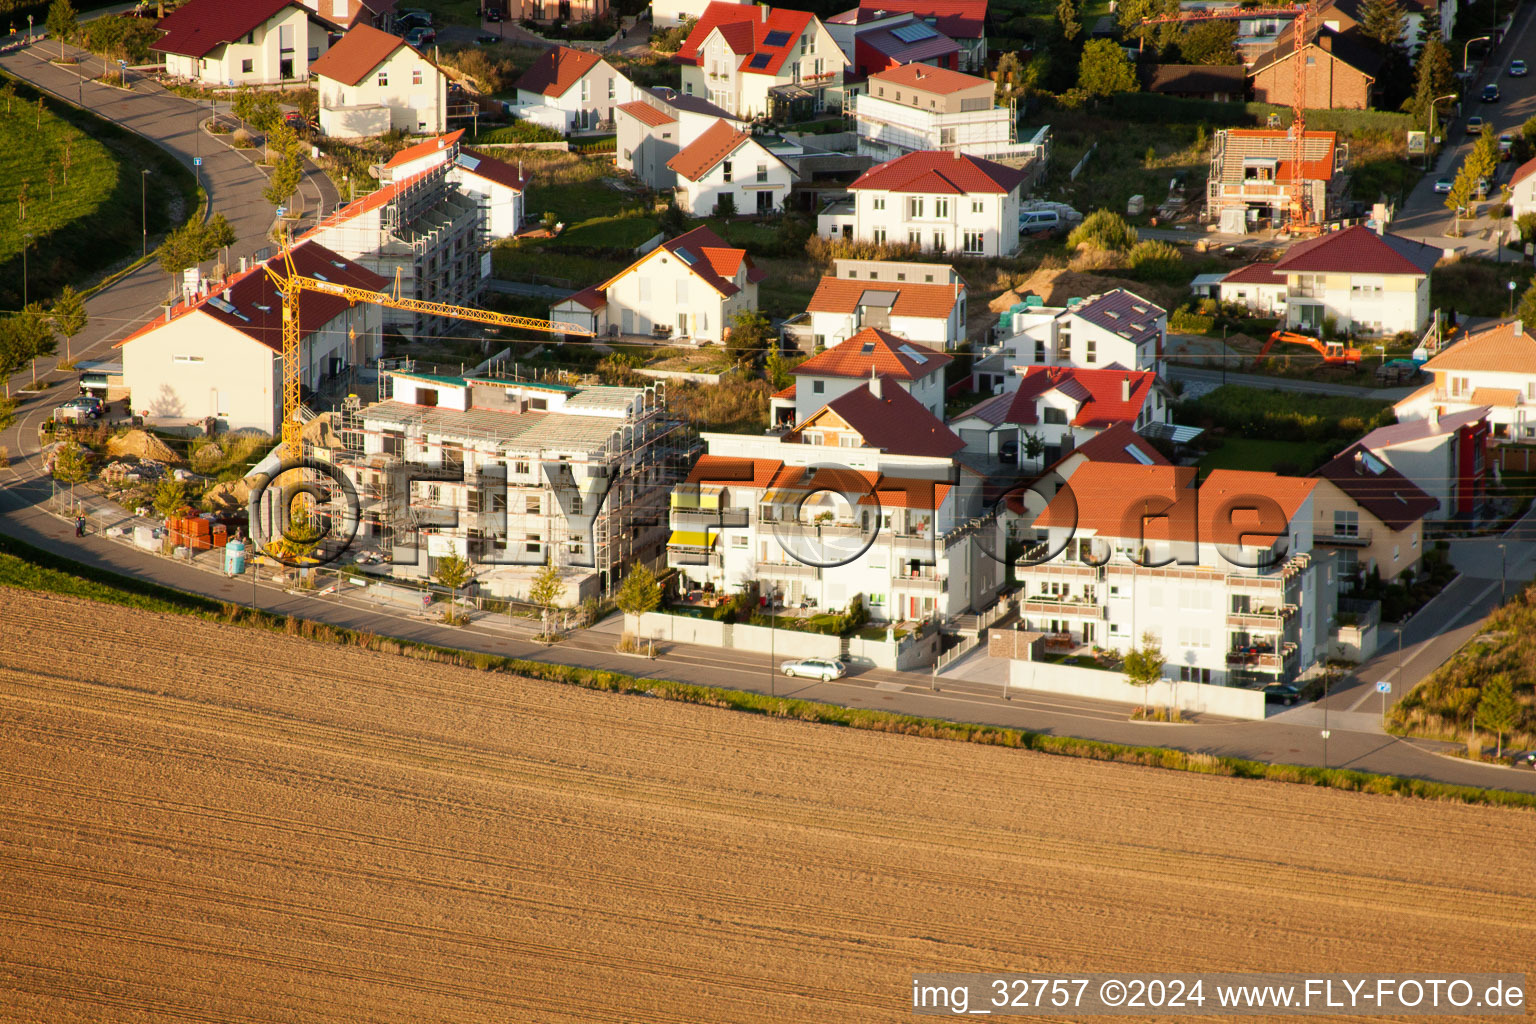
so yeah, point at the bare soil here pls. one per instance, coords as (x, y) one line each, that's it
(209, 823)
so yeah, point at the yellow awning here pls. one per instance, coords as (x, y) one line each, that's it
(693, 538)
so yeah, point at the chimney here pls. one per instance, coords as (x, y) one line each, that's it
(1359, 462)
(876, 386)
(1519, 328)
(167, 308)
(1434, 418)
(1125, 388)
(765, 9)
(226, 294)
(242, 264)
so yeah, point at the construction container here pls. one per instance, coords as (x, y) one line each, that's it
(1136, 206)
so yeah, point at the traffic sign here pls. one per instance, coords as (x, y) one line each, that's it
(197, 161)
(1383, 687)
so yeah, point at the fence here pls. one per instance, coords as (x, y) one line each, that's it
(966, 645)
(1233, 702)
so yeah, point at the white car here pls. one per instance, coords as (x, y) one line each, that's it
(815, 668)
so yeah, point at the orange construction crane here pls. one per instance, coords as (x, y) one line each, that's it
(291, 285)
(1334, 353)
(1301, 213)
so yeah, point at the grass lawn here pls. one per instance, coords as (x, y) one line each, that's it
(543, 259)
(1290, 457)
(1476, 287)
(1130, 159)
(99, 201)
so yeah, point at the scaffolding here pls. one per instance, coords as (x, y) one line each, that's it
(1245, 172)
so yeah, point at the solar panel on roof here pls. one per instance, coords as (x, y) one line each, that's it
(913, 354)
(684, 255)
(776, 39)
(760, 60)
(914, 32)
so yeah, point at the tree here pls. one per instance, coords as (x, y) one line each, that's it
(37, 332)
(1210, 42)
(1144, 665)
(1131, 14)
(1013, 78)
(639, 593)
(62, 23)
(1104, 230)
(1034, 446)
(546, 590)
(217, 234)
(1498, 710)
(284, 180)
(453, 572)
(170, 496)
(1526, 311)
(1384, 22)
(1479, 164)
(71, 464)
(750, 335)
(1433, 78)
(8, 91)
(776, 369)
(69, 315)
(1105, 69)
(68, 157)
(1429, 27)
(725, 205)
(1067, 15)
(672, 221)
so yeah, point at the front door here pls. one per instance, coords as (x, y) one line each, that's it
(765, 202)
(627, 321)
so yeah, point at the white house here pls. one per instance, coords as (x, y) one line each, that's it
(849, 366)
(667, 13)
(762, 61)
(689, 287)
(221, 353)
(579, 88)
(255, 42)
(916, 107)
(931, 313)
(1522, 189)
(348, 14)
(727, 170)
(1118, 328)
(938, 202)
(1061, 407)
(371, 83)
(1367, 283)
(1494, 367)
(1222, 573)
(1444, 454)
(497, 185)
(653, 128)
(1258, 286)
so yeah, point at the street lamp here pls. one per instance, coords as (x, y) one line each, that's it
(144, 210)
(1511, 309)
(1433, 104)
(1468, 45)
(26, 243)
(1502, 574)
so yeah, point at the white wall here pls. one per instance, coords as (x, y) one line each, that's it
(504, 205)
(662, 290)
(700, 197)
(785, 643)
(1233, 702)
(196, 366)
(226, 63)
(882, 216)
(413, 107)
(928, 390)
(605, 89)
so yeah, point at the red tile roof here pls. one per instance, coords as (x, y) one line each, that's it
(1522, 172)
(196, 29)
(841, 295)
(1112, 446)
(717, 258)
(645, 113)
(557, 70)
(959, 19)
(593, 297)
(905, 492)
(1359, 250)
(1255, 273)
(252, 290)
(877, 351)
(421, 149)
(724, 469)
(894, 422)
(940, 81)
(358, 53)
(931, 172)
(787, 393)
(1377, 487)
(746, 29)
(1096, 390)
(714, 144)
(1498, 349)
(372, 201)
(493, 169)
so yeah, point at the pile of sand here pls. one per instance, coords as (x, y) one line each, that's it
(208, 455)
(141, 445)
(1006, 301)
(1056, 285)
(227, 497)
(321, 432)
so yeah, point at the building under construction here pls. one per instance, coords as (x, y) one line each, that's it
(513, 474)
(1250, 181)
(426, 232)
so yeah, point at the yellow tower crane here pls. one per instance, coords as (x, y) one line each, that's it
(291, 285)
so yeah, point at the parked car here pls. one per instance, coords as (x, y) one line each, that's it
(1281, 693)
(815, 668)
(78, 410)
(406, 22)
(493, 14)
(1444, 186)
(1506, 145)
(1008, 451)
(1475, 125)
(423, 15)
(295, 120)
(1032, 221)
(486, 39)
(1490, 93)
(1517, 69)
(421, 35)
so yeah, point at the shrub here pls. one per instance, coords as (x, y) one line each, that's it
(825, 250)
(1156, 260)
(1104, 230)
(1276, 416)
(1186, 321)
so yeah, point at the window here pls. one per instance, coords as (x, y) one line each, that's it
(914, 208)
(247, 66)
(1308, 286)
(535, 543)
(975, 205)
(1346, 523)
(941, 207)
(687, 88)
(762, 172)
(1365, 287)
(534, 505)
(946, 137)
(186, 359)
(1190, 674)
(610, 88)
(383, 79)
(1039, 350)
(520, 468)
(818, 387)
(725, 171)
(576, 505)
(847, 441)
(879, 236)
(1460, 387)
(1092, 350)
(1055, 416)
(915, 238)
(416, 76)
(815, 438)
(740, 540)
(879, 204)
(1397, 549)
(586, 90)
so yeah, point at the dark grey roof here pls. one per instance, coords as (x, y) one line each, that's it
(1419, 430)
(1197, 78)
(692, 104)
(1345, 46)
(1123, 313)
(1377, 487)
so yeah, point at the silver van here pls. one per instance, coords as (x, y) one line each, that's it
(1031, 221)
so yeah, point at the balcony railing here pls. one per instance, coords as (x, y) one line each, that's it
(1059, 569)
(926, 582)
(1357, 539)
(701, 519)
(687, 554)
(786, 571)
(1261, 618)
(1042, 604)
(785, 528)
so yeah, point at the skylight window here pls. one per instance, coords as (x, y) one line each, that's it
(1137, 454)
(687, 257)
(913, 354)
(321, 277)
(224, 307)
(338, 264)
(867, 349)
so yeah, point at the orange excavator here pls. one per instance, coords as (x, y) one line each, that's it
(1334, 353)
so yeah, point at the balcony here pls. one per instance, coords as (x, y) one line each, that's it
(1261, 618)
(1263, 658)
(925, 582)
(705, 519)
(786, 571)
(1043, 604)
(688, 554)
(1337, 539)
(790, 528)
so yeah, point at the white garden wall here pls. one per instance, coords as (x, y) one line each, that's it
(1231, 701)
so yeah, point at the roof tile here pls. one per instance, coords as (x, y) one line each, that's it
(873, 351)
(1377, 487)
(932, 172)
(357, 53)
(1359, 250)
(197, 28)
(842, 295)
(557, 70)
(1497, 349)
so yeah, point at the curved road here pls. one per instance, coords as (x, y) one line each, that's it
(234, 186)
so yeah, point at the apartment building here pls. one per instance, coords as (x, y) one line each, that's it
(1370, 515)
(915, 107)
(1248, 188)
(219, 353)
(762, 62)
(906, 302)
(1222, 573)
(849, 366)
(256, 42)
(1365, 282)
(371, 83)
(1495, 368)
(1118, 328)
(424, 231)
(658, 125)
(938, 202)
(893, 525)
(513, 474)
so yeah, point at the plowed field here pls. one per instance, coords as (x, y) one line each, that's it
(205, 823)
